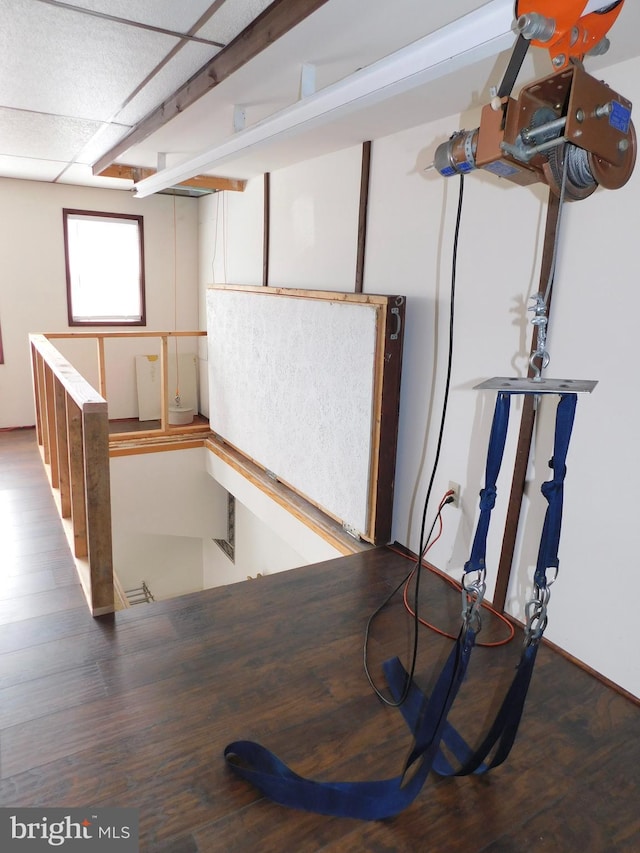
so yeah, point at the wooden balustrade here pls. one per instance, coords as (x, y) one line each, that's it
(72, 427)
(165, 429)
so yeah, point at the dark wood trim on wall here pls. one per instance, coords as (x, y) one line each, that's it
(362, 215)
(527, 420)
(389, 417)
(266, 234)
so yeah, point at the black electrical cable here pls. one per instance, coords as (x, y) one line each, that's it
(423, 541)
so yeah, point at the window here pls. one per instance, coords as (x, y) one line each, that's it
(104, 254)
(228, 545)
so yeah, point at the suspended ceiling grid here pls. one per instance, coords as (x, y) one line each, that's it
(73, 83)
(77, 77)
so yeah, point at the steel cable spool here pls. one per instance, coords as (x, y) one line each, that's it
(579, 180)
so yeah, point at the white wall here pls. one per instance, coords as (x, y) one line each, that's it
(167, 509)
(410, 229)
(258, 551)
(314, 223)
(263, 519)
(163, 506)
(170, 565)
(33, 284)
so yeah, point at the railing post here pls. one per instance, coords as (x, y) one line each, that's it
(42, 371)
(77, 482)
(102, 372)
(35, 368)
(98, 497)
(164, 388)
(62, 441)
(51, 428)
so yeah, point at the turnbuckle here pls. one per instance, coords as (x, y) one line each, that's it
(472, 598)
(540, 321)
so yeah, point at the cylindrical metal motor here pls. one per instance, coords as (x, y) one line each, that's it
(458, 154)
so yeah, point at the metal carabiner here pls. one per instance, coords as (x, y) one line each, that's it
(472, 598)
(536, 615)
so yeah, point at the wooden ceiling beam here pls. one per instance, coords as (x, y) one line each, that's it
(276, 20)
(204, 182)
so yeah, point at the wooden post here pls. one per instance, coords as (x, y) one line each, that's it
(63, 449)
(42, 396)
(164, 387)
(527, 420)
(98, 500)
(35, 367)
(102, 373)
(50, 427)
(76, 479)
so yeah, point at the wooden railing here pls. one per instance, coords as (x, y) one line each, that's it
(100, 337)
(72, 427)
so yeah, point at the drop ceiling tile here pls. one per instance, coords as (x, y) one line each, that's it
(80, 175)
(29, 170)
(106, 136)
(27, 134)
(231, 18)
(180, 68)
(53, 60)
(168, 14)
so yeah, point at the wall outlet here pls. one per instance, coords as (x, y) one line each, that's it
(455, 488)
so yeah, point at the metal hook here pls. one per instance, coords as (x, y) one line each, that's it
(544, 357)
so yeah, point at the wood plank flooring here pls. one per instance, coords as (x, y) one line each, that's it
(136, 708)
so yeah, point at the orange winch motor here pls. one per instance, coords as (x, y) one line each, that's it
(568, 130)
(563, 28)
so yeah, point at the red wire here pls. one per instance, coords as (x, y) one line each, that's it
(451, 582)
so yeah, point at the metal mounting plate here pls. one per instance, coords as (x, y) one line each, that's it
(537, 386)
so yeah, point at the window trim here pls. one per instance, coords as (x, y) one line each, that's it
(68, 211)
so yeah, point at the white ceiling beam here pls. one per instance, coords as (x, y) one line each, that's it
(480, 34)
(270, 25)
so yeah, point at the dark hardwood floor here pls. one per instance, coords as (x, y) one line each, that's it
(135, 709)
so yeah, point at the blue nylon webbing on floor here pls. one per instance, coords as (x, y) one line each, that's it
(364, 800)
(426, 717)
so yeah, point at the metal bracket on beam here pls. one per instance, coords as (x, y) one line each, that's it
(307, 80)
(239, 118)
(351, 531)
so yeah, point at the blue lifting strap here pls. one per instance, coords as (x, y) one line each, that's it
(426, 717)
(502, 733)
(553, 490)
(364, 800)
(495, 452)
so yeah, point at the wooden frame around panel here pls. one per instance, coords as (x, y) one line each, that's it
(386, 398)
